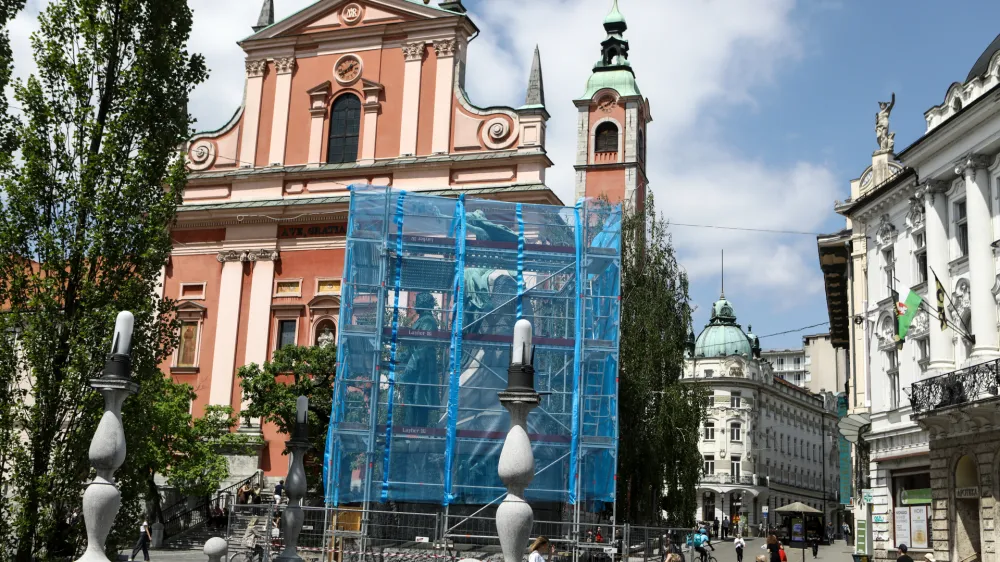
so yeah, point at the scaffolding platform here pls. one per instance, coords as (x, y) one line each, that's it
(431, 289)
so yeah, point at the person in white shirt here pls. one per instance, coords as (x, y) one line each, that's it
(143, 542)
(540, 545)
(739, 545)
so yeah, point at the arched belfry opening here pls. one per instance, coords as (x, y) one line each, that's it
(967, 544)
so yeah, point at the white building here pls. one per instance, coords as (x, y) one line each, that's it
(765, 442)
(817, 366)
(924, 411)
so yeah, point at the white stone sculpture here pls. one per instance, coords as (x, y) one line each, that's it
(886, 140)
(102, 500)
(517, 462)
(216, 549)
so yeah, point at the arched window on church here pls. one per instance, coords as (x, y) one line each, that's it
(606, 137)
(345, 122)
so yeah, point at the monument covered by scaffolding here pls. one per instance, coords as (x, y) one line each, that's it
(432, 287)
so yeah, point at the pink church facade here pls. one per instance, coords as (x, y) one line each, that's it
(342, 93)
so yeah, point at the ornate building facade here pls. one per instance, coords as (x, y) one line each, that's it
(355, 92)
(923, 409)
(765, 441)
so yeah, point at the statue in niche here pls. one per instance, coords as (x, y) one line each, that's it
(325, 337)
(886, 140)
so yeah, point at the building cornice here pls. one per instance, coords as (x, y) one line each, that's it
(379, 167)
(881, 199)
(955, 127)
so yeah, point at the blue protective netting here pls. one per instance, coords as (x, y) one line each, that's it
(431, 289)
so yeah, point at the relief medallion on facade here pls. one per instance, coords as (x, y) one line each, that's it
(347, 70)
(201, 155)
(352, 13)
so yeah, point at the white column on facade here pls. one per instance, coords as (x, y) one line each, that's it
(443, 88)
(413, 53)
(982, 272)
(227, 326)
(318, 98)
(282, 96)
(372, 108)
(942, 352)
(582, 148)
(251, 112)
(259, 314)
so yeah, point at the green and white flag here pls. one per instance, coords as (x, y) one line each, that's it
(905, 311)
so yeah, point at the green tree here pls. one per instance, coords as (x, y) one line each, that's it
(85, 212)
(273, 388)
(185, 449)
(659, 417)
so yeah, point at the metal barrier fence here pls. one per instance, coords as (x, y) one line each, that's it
(391, 536)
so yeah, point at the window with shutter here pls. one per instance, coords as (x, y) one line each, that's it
(606, 137)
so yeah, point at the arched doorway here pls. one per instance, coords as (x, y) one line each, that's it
(966, 500)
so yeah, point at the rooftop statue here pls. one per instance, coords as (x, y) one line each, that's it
(886, 140)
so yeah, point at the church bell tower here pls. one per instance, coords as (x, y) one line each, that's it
(611, 124)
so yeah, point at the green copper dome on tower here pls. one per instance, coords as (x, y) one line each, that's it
(615, 17)
(722, 336)
(613, 71)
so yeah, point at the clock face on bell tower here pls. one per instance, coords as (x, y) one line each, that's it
(347, 69)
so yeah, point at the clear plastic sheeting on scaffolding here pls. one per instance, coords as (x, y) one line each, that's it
(431, 291)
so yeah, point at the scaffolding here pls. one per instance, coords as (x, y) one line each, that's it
(431, 289)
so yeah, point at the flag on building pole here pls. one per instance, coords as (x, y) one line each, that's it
(905, 311)
(942, 316)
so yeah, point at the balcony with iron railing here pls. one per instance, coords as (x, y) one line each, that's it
(958, 402)
(731, 480)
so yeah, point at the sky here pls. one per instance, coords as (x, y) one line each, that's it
(763, 111)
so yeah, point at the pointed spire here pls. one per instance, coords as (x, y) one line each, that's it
(723, 294)
(615, 20)
(266, 16)
(536, 89)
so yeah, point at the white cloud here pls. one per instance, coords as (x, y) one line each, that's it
(695, 61)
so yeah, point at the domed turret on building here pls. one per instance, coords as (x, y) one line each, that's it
(722, 336)
(757, 442)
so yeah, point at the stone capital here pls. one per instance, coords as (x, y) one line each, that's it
(445, 48)
(968, 165)
(256, 68)
(263, 254)
(933, 188)
(414, 51)
(284, 65)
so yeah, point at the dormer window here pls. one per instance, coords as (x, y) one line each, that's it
(606, 137)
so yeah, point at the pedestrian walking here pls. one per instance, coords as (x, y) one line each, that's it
(739, 545)
(725, 527)
(847, 533)
(540, 548)
(903, 556)
(815, 546)
(279, 488)
(715, 528)
(143, 542)
(773, 548)
(829, 532)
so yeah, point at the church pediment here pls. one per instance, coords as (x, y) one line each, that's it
(328, 15)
